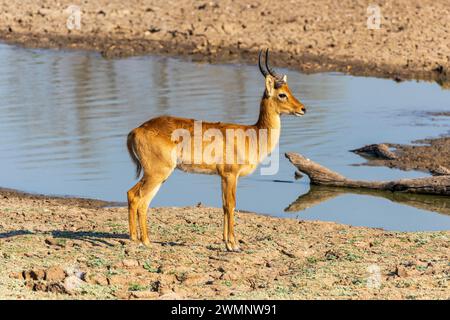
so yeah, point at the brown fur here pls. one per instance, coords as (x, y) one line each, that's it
(151, 149)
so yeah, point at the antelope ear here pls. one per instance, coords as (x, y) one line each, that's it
(270, 85)
(285, 78)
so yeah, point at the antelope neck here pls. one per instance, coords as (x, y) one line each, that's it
(269, 118)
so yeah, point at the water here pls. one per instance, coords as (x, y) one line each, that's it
(65, 116)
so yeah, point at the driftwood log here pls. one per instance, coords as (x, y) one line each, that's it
(319, 175)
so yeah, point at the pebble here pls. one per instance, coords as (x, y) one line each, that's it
(72, 284)
(145, 294)
(55, 274)
(129, 263)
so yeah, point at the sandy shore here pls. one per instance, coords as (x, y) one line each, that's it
(413, 41)
(56, 248)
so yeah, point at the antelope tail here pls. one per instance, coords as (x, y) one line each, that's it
(132, 152)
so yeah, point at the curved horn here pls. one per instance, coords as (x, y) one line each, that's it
(271, 71)
(264, 72)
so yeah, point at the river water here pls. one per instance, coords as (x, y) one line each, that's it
(65, 116)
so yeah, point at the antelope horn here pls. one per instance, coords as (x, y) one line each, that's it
(264, 72)
(271, 71)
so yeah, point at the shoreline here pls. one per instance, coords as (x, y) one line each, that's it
(323, 37)
(307, 64)
(75, 248)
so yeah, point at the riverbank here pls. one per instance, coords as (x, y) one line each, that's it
(412, 42)
(68, 248)
(428, 155)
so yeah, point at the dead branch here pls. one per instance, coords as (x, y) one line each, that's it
(320, 175)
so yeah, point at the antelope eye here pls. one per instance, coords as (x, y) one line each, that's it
(282, 96)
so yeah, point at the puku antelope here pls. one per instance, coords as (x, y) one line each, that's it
(154, 150)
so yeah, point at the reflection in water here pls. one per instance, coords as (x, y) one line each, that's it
(319, 194)
(65, 117)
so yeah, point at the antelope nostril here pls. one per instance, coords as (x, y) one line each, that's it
(303, 109)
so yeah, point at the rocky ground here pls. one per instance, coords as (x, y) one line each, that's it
(413, 40)
(57, 248)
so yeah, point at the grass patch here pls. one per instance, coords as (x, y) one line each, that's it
(227, 283)
(197, 229)
(147, 266)
(352, 257)
(421, 268)
(136, 287)
(95, 262)
(420, 242)
(312, 260)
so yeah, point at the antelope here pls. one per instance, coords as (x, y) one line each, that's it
(154, 151)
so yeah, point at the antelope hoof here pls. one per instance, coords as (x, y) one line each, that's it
(134, 238)
(146, 243)
(233, 247)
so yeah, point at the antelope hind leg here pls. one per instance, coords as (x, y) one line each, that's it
(133, 196)
(150, 186)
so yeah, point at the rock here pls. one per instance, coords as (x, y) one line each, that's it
(34, 275)
(401, 271)
(170, 296)
(118, 279)
(55, 274)
(289, 254)
(155, 286)
(167, 279)
(165, 290)
(16, 275)
(331, 255)
(122, 294)
(56, 287)
(51, 241)
(378, 150)
(193, 279)
(145, 294)
(72, 284)
(29, 284)
(40, 286)
(97, 279)
(130, 263)
(153, 29)
(231, 276)
(74, 271)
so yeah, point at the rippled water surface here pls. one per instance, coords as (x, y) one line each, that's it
(65, 116)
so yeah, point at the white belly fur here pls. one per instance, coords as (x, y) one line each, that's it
(196, 169)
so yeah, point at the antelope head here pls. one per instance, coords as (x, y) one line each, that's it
(278, 92)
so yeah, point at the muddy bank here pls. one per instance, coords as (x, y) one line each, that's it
(428, 155)
(55, 248)
(412, 42)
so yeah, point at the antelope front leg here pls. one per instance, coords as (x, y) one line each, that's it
(225, 226)
(229, 183)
